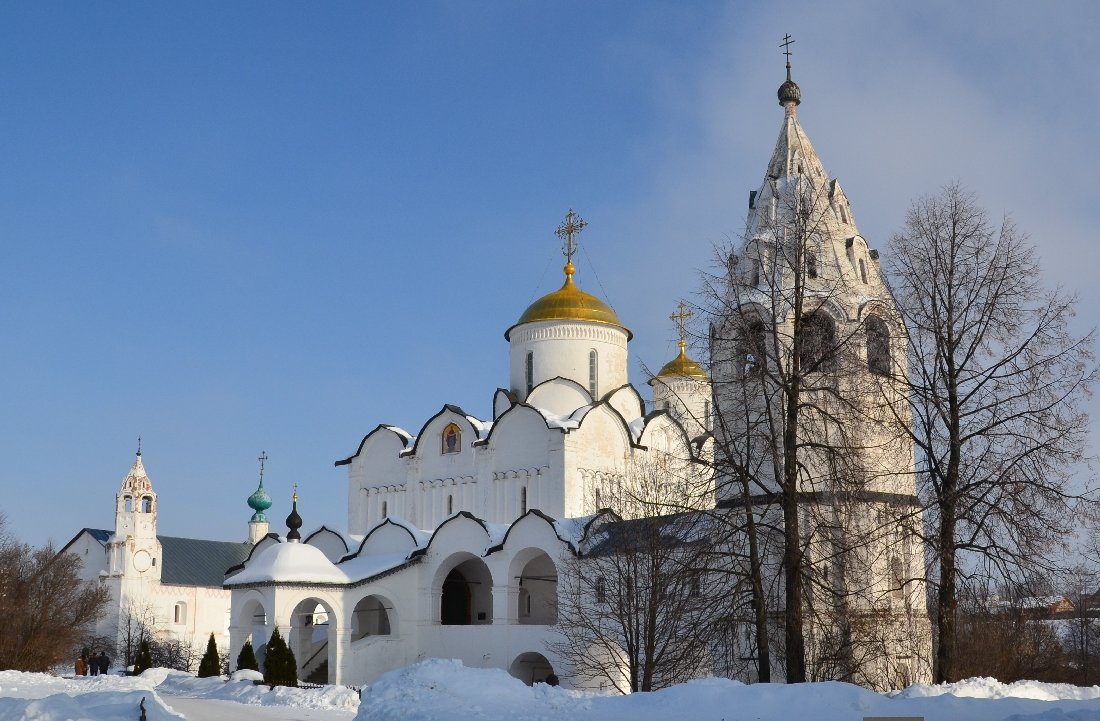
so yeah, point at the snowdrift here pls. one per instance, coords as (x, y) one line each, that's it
(436, 689)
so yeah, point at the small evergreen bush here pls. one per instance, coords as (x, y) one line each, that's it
(246, 659)
(144, 658)
(210, 665)
(280, 666)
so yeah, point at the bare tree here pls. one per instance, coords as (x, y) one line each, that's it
(997, 381)
(46, 608)
(801, 448)
(138, 622)
(639, 605)
(1007, 634)
(1082, 635)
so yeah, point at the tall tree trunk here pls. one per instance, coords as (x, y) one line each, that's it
(943, 670)
(794, 640)
(756, 581)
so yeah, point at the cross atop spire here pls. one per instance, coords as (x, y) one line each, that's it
(568, 232)
(262, 459)
(139, 445)
(682, 315)
(786, 45)
(789, 93)
(295, 496)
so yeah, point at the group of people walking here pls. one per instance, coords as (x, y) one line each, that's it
(93, 665)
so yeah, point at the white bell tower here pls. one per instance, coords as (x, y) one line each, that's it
(134, 551)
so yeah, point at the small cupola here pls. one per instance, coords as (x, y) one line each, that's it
(259, 502)
(294, 521)
(790, 95)
(682, 387)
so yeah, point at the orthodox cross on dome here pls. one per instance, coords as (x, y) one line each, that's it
(262, 459)
(682, 315)
(295, 496)
(786, 45)
(568, 232)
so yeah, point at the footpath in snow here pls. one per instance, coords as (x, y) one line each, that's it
(440, 690)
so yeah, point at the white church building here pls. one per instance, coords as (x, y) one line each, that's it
(508, 501)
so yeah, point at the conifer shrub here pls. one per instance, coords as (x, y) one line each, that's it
(246, 659)
(144, 658)
(280, 666)
(211, 664)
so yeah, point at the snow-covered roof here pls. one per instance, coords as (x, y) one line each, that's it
(285, 562)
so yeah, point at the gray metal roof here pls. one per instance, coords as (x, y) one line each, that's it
(188, 561)
(195, 562)
(99, 534)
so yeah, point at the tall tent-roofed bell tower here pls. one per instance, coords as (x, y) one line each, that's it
(809, 317)
(133, 551)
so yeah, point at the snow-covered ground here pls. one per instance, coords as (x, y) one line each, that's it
(438, 689)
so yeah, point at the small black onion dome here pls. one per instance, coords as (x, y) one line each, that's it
(294, 522)
(789, 92)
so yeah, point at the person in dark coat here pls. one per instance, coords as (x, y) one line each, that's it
(104, 662)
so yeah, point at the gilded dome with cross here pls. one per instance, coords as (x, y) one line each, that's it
(570, 302)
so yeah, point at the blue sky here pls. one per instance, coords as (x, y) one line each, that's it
(252, 226)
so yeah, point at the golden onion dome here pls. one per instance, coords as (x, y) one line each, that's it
(682, 366)
(570, 303)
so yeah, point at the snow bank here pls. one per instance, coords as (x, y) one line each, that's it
(992, 688)
(41, 697)
(436, 689)
(445, 689)
(246, 692)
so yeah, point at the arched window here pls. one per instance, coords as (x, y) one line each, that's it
(530, 371)
(180, 614)
(523, 500)
(450, 504)
(862, 270)
(451, 440)
(817, 333)
(593, 365)
(146, 504)
(811, 263)
(384, 514)
(878, 346)
(128, 503)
